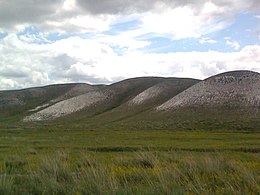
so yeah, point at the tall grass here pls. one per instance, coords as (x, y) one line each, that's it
(129, 162)
(145, 172)
(6, 181)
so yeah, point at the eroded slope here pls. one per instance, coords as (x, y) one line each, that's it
(232, 89)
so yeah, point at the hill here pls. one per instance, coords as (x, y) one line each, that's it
(232, 89)
(229, 100)
(15, 104)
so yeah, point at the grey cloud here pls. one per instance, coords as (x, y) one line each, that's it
(128, 6)
(61, 62)
(116, 6)
(39, 12)
(255, 6)
(26, 11)
(212, 68)
(61, 69)
(221, 65)
(13, 73)
(87, 79)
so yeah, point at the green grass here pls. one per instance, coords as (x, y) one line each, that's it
(129, 162)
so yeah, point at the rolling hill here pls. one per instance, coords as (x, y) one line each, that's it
(235, 89)
(229, 100)
(16, 104)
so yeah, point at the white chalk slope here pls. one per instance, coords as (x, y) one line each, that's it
(162, 91)
(236, 88)
(68, 106)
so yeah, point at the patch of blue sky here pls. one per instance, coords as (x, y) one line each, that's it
(120, 51)
(29, 30)
(33, 35)
(123, 27)
(43, 38)
(52, 37)
(55, 36)
(243, 30)
(167, 45)
(3, 35)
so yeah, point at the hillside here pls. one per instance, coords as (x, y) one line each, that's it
(229, 100)
(232, 89)
(113, 97)
(17, 103)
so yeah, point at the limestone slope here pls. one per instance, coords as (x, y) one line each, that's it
(162, 91)
(232, 89)
(68, 106)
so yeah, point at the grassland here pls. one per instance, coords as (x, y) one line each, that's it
(129, 162)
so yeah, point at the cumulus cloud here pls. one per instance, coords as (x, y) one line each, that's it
(78, 60)
(51, 15)
(90, 16)
(128, 6)
(22, 12)
(105, 56)
(117, 6)
(184, 22)
(20, 63)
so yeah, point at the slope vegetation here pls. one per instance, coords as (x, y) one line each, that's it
(229, 100)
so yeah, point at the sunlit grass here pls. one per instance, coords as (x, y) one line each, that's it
(129, 162)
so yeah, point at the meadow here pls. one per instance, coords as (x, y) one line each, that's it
(129, 162)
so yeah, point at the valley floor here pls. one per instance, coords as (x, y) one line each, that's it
(129, 162)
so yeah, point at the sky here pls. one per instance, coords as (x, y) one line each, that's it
(105, 41)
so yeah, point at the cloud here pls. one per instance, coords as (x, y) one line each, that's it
(22, 12)
(183, 22)
(79, 60)
(22, 64)
(234, 44)
(103, 41)
(69, 16)
(115, 7)
(51, 15)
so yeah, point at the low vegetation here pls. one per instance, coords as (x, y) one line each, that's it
(129, 162)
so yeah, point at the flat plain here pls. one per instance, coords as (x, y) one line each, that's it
(46, 161)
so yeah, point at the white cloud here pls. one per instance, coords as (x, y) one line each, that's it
(69, 5)
(186, 21)
(79, 60)
(234, 44)
(109, 56)
(81, 23)
(9, 84)
(22, 64)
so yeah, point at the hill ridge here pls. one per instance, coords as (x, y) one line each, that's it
(142, 102)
